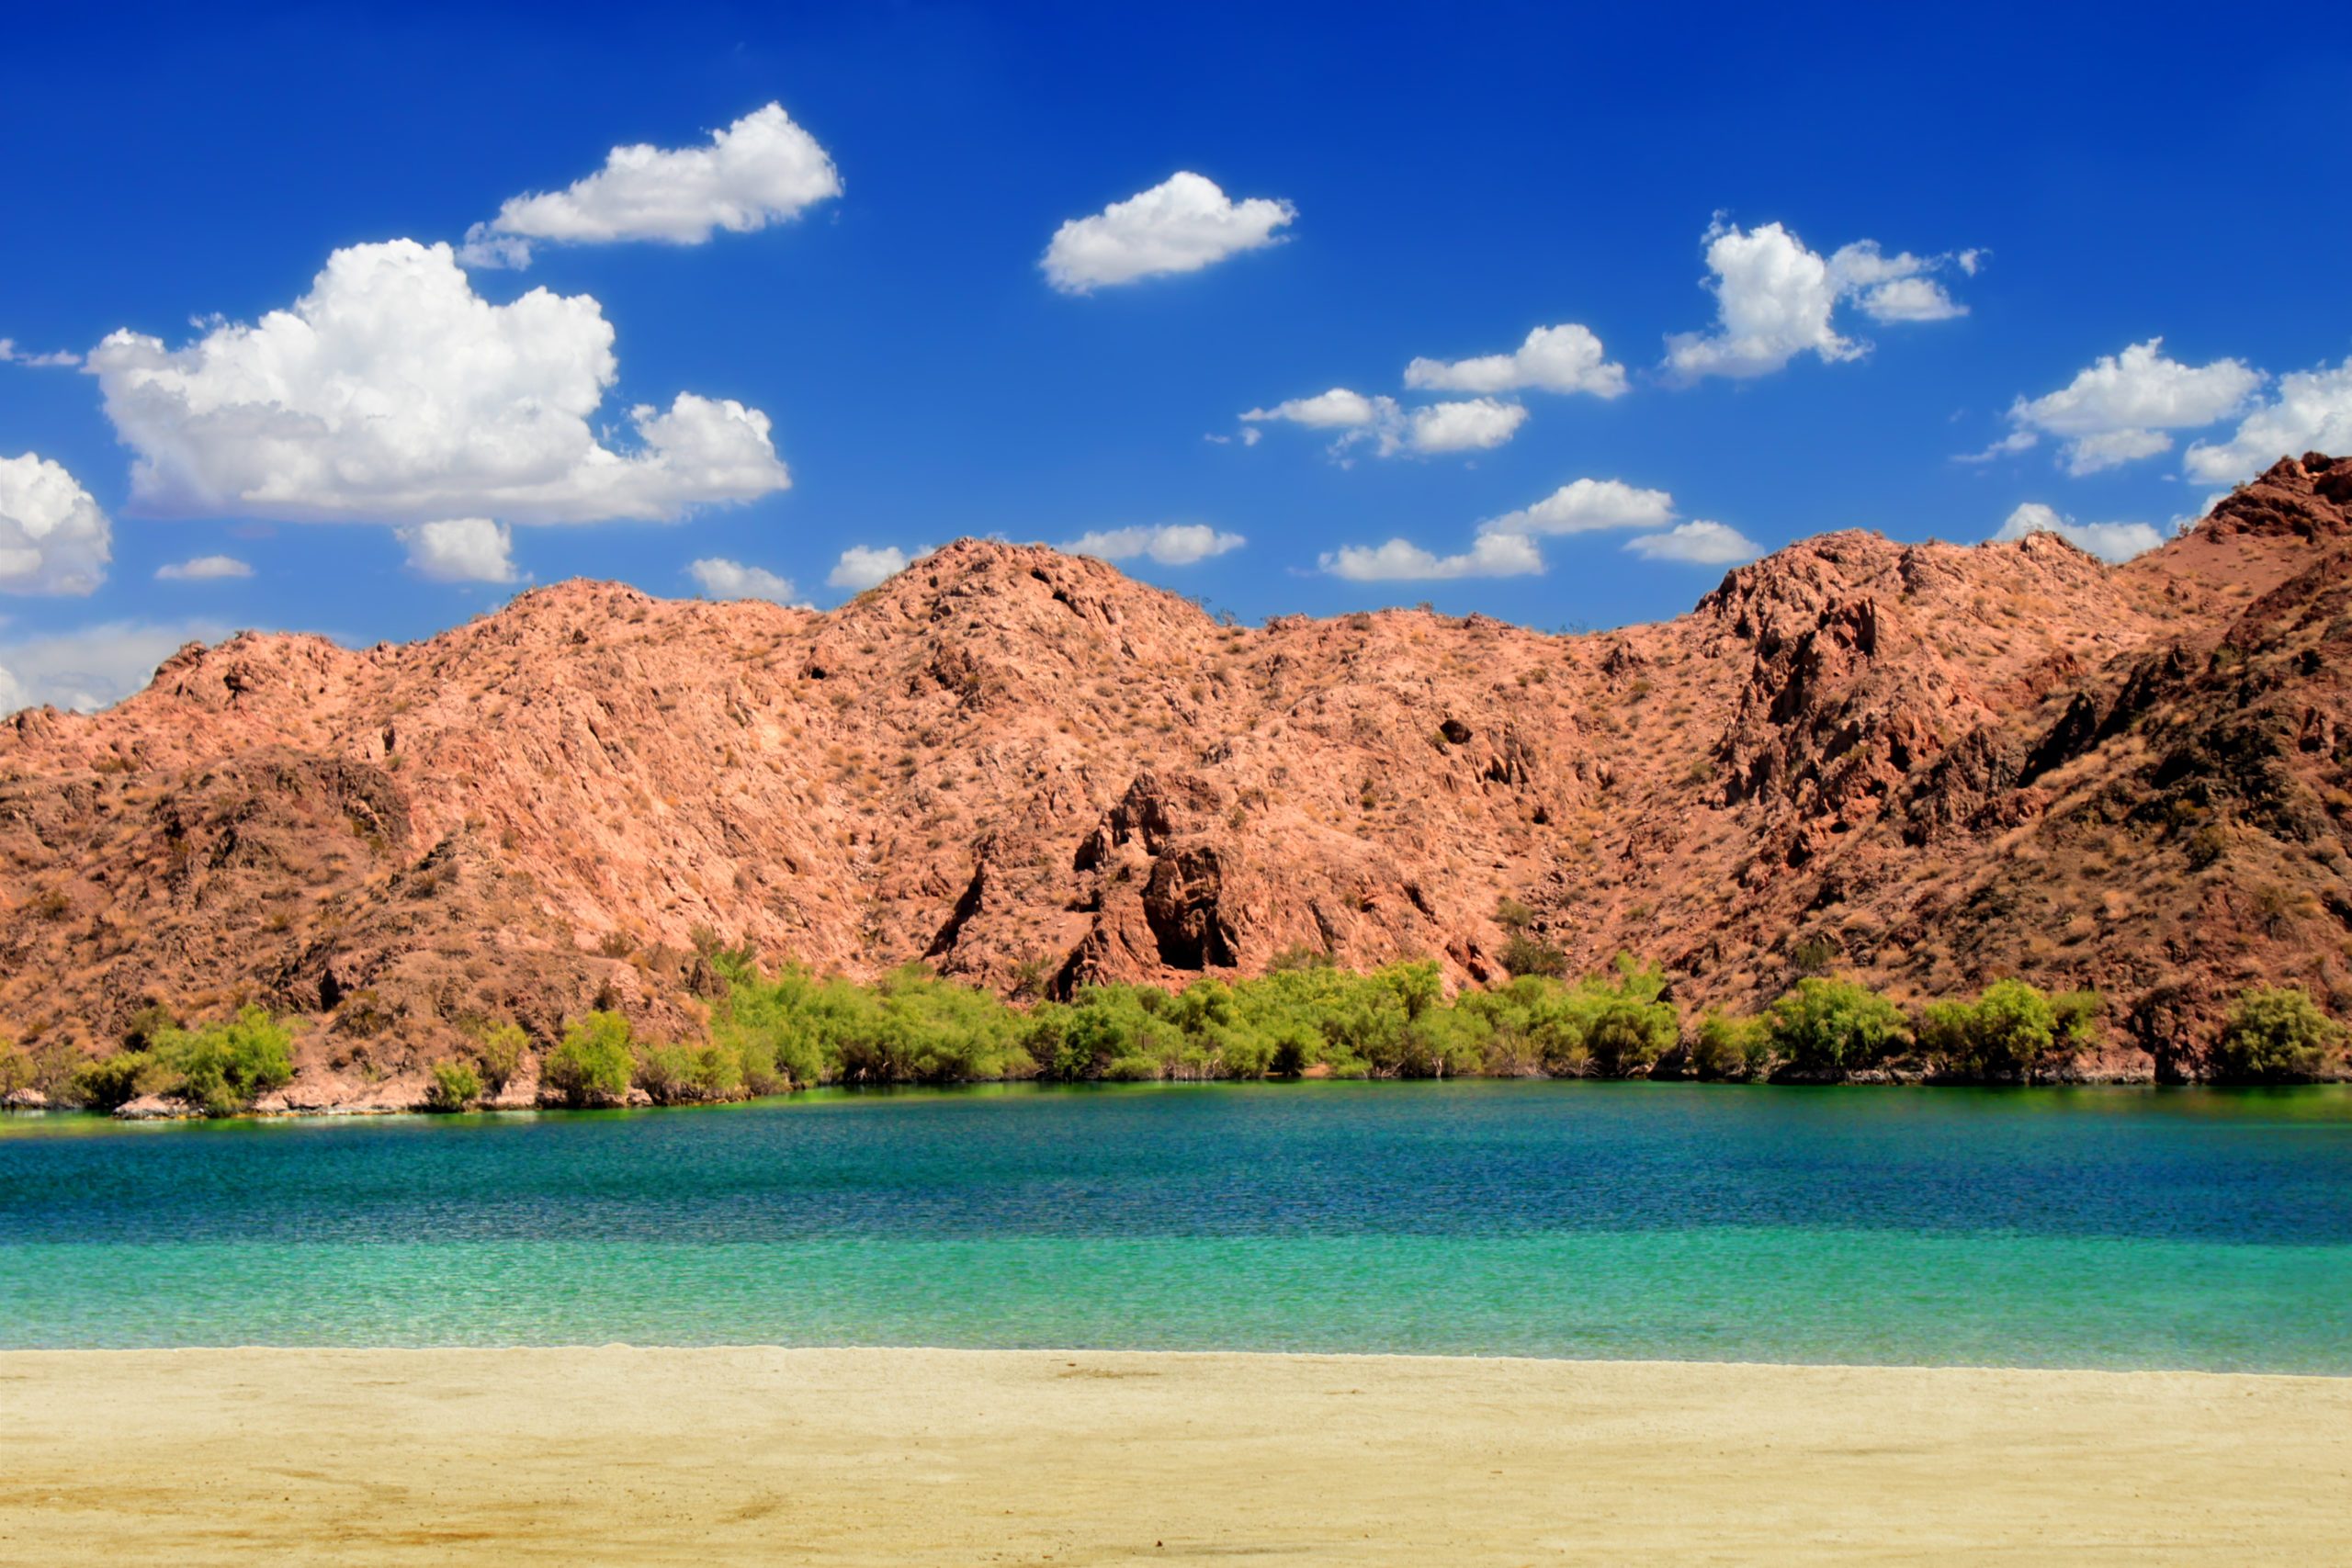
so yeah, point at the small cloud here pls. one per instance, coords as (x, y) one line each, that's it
(1183, 224)
(723, 579)
(1170, 544)
(1584, 506)
(1698, 543)
(2009, 446)
(2108, 541)
(761, 170)
(1566, 359)
(1895, 288)
(203, 568)
(862, 567)
(1910, 299)
(1338, 409)
(1400, 560)
(1474, 425)
(58, 359)
(459, 549)
(1467, 424)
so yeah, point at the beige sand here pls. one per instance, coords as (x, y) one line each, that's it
(844, 1457)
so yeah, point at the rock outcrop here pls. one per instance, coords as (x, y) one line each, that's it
(1934, 764)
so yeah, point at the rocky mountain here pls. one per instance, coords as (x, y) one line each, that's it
(1930, 765)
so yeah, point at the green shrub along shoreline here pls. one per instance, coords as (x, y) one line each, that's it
(773, 1031)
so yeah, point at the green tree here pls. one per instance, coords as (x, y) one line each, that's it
(594, 1062)
(1834, 1026)
(498, 1055)
(17, 1067)
(113, 1082)
(666, 1073)
(222, 1068)
(1727, 1047)
(1627, 1026)
(2008, 1028)
(2274, 1034)
(456, 1087)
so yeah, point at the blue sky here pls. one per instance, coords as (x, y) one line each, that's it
(1447, 185)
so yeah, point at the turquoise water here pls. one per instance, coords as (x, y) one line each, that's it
(2081, 1228)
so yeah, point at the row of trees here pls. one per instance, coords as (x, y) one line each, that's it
(795, 1028)
(792, 1029)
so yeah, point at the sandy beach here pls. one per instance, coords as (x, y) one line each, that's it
(619, 1455)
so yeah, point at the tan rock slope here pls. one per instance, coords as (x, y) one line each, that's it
(1930, 764)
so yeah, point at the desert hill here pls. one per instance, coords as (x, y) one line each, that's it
(1927, 764)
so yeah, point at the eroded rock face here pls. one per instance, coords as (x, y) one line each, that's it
(1941, 764)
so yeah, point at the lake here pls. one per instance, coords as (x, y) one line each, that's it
(2095, 1227)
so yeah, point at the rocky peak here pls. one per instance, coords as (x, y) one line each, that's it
(2307, 498)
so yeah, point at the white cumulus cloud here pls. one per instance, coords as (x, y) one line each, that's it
(1463, 425)
(2117, 410)
(460, 550)
(1338, 409)
(1566, 358)
(1170, 544)
(1700, 543)
(1182, 224)
(2108, 541)
(867, 566)
(1471, 425)
(203, 568)
(1583, 506)
(1897, 288)
(723, 579)
(1775, 300)
(2311, 412)
(393, 393)
(762, 169)
(93, 667)
(1400, 560)
(54, 538)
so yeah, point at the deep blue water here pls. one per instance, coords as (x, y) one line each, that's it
(2093, 1228)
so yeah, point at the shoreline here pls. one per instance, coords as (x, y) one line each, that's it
(378, 1107)
(1468, 1359)
(619, 1454)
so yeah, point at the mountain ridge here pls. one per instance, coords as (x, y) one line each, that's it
(1930, 764)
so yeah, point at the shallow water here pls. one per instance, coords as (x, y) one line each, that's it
(2102, 1227)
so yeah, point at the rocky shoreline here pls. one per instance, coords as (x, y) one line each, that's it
(413, 1099)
